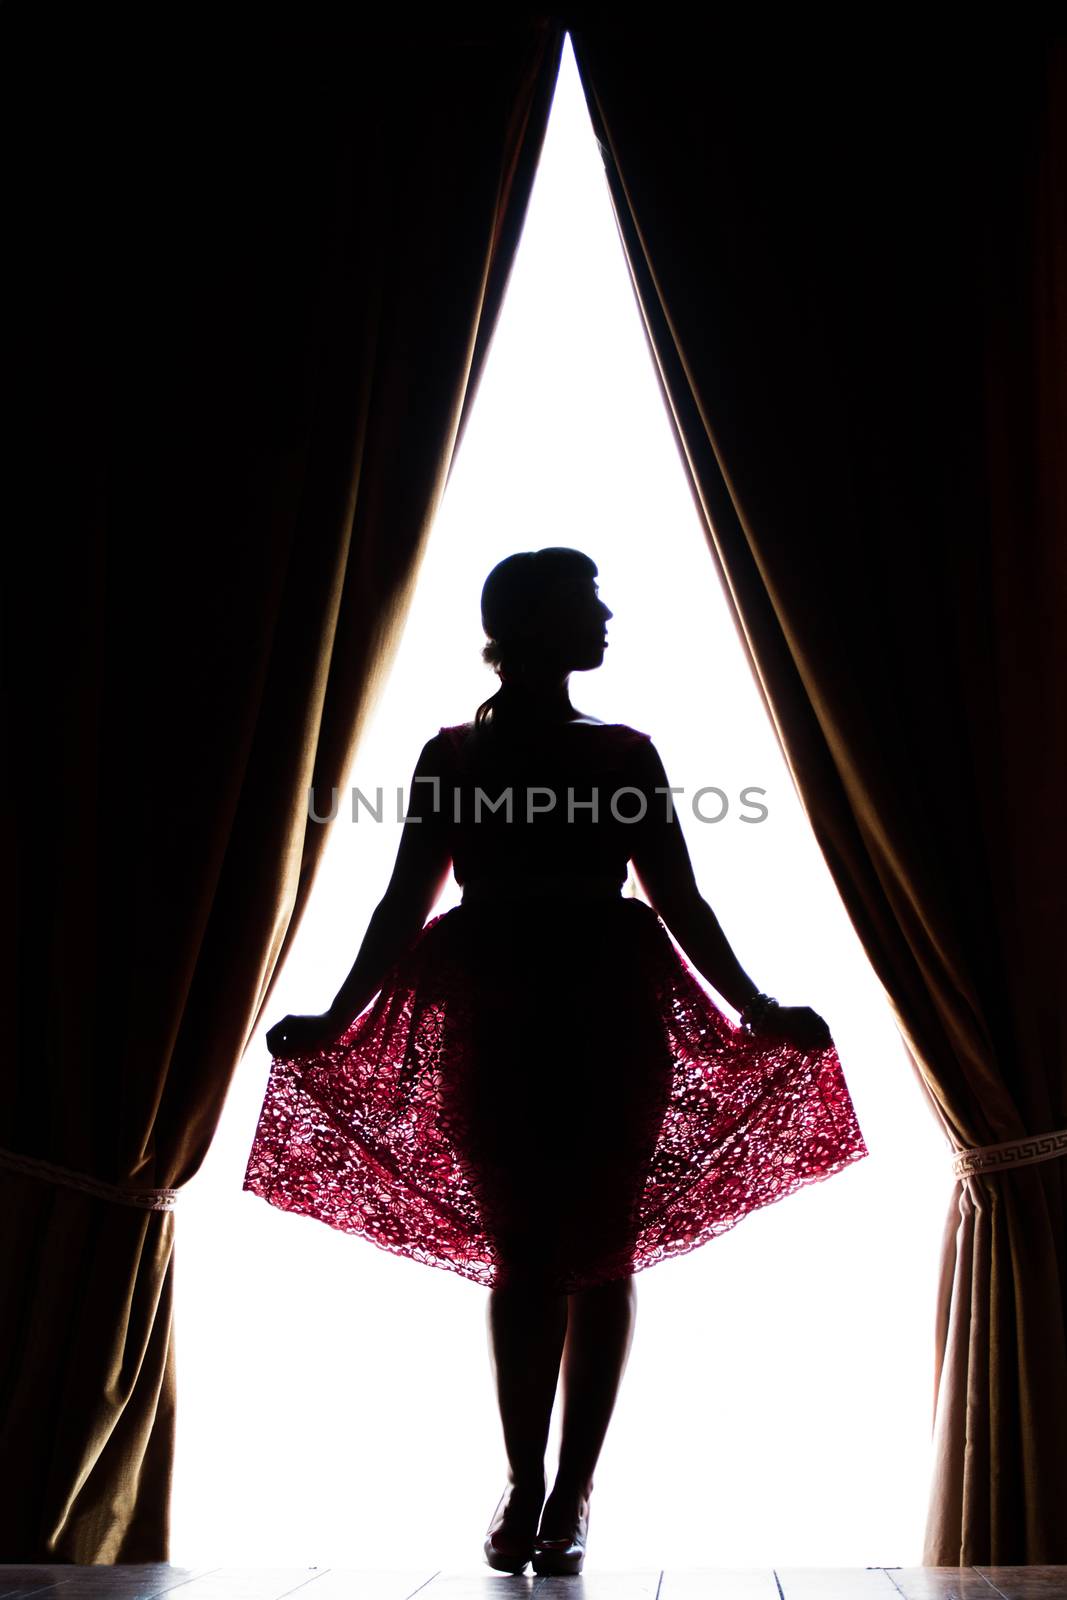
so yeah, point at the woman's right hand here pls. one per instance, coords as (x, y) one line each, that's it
(796, 1025)
(303, 1035)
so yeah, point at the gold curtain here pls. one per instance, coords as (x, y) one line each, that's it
(252, 269)
(849, 250)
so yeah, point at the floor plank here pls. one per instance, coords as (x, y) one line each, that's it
(722, 1583)
(596, 1585)
(252, 1583)
(838, 1583)
(140, 1580)
(1026, 1583)
(15, 1582)
(350, 1583)
(943, 1583)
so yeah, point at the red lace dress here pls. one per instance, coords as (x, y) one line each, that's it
(542, 1091)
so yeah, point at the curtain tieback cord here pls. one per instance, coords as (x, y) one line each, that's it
(126, 1194)
(983, 1159)
(1021, 1152)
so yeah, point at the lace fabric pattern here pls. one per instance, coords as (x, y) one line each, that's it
(546, 1094)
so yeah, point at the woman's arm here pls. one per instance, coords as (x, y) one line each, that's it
(661, 860)
(423, 862)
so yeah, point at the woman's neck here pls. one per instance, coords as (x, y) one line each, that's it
(537, 699)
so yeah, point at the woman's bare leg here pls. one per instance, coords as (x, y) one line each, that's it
(527, 1325)
(600, 1328)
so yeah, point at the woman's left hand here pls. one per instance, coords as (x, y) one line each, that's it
(303, 1035)
(799, 1026)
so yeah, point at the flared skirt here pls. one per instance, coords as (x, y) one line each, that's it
(546, 1094)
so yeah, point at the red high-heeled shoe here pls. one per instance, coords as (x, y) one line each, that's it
(509, 1549)
(561, 1557)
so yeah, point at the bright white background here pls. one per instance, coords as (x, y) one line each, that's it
(336, 1404)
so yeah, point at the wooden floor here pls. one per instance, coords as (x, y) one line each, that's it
(143, 1581)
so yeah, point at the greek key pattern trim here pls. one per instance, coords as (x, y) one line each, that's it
(124, 1194)
(1010, 1153)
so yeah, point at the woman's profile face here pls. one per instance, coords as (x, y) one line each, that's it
(577, 624)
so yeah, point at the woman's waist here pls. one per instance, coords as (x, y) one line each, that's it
(532, 887)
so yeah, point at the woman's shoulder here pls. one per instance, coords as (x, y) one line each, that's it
(455, 734)
(624, 731)
(621, 736)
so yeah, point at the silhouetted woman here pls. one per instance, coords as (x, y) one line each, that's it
(542, 1097)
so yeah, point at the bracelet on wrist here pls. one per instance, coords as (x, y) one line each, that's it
(755, 1011)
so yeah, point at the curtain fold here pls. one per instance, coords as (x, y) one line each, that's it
(850, 261)
(253, 272)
